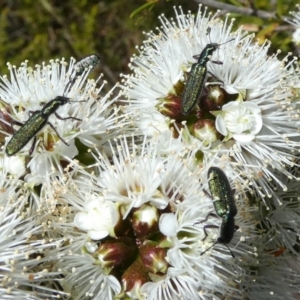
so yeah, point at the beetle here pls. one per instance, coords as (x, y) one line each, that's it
(196, 78)
(90, 61)
(224, 204)
(39, 118)
(34, 124)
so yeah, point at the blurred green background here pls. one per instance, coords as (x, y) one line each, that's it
(41, 30)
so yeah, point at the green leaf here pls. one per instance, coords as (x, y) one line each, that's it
(141, 8)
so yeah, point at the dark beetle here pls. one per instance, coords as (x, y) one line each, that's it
(196, 78)
(223, 200)
(34, 124)
(221, 193)
(39, 118)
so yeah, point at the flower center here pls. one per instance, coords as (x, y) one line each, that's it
(239, 119)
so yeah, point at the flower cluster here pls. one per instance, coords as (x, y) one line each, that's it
(296, 22)
(184, 185)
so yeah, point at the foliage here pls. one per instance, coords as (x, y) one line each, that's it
(42, 30)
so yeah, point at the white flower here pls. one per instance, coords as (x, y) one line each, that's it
(172, 252)
(296, 22)
(14, 165)
(260, 135)
(142, 179)
(26, 271)
(296, 36)
(144, 182)
(85, 279)
(277, 280)
(176, 285)
(154, 89)
(98, 219)
(86, 116)
(135, 181)
(15, 194)
(143, 172)
(239, 120)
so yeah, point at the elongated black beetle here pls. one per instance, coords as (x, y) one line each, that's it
(196, 78)
(39, 118)
(34, 124)
(223, 200)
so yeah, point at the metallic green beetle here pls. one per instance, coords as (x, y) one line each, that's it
(196, 78)
(223, 200)
(39, 118)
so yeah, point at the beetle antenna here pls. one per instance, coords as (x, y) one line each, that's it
(227, 41)
(208, 30)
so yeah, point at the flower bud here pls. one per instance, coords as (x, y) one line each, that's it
(5, 122)
(213, 100)
(206, 131)
(118, 252)
(170, 106)
(134, 277)
(153, 257)
(145, 221)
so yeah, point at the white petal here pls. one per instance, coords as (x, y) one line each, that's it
(93, 204)
(168, 224)
(175, 259)
(82, 221)
(230, 105)
(255, 109)
(243, 138)
(230, 89)
(258, 124)
(160, 203)
(97, 234)
(15, 165)
(221, 125)
(68, 151)
(153, 123)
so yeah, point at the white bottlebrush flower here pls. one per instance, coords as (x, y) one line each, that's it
(14, 190)
(176, 285)
(86, 116)
(296, 36)
(26, 272)
(295, 20)
(260, 135)
(282, 223)
(156, 250)
(276, 278)
(158, 242)
(84, 279)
